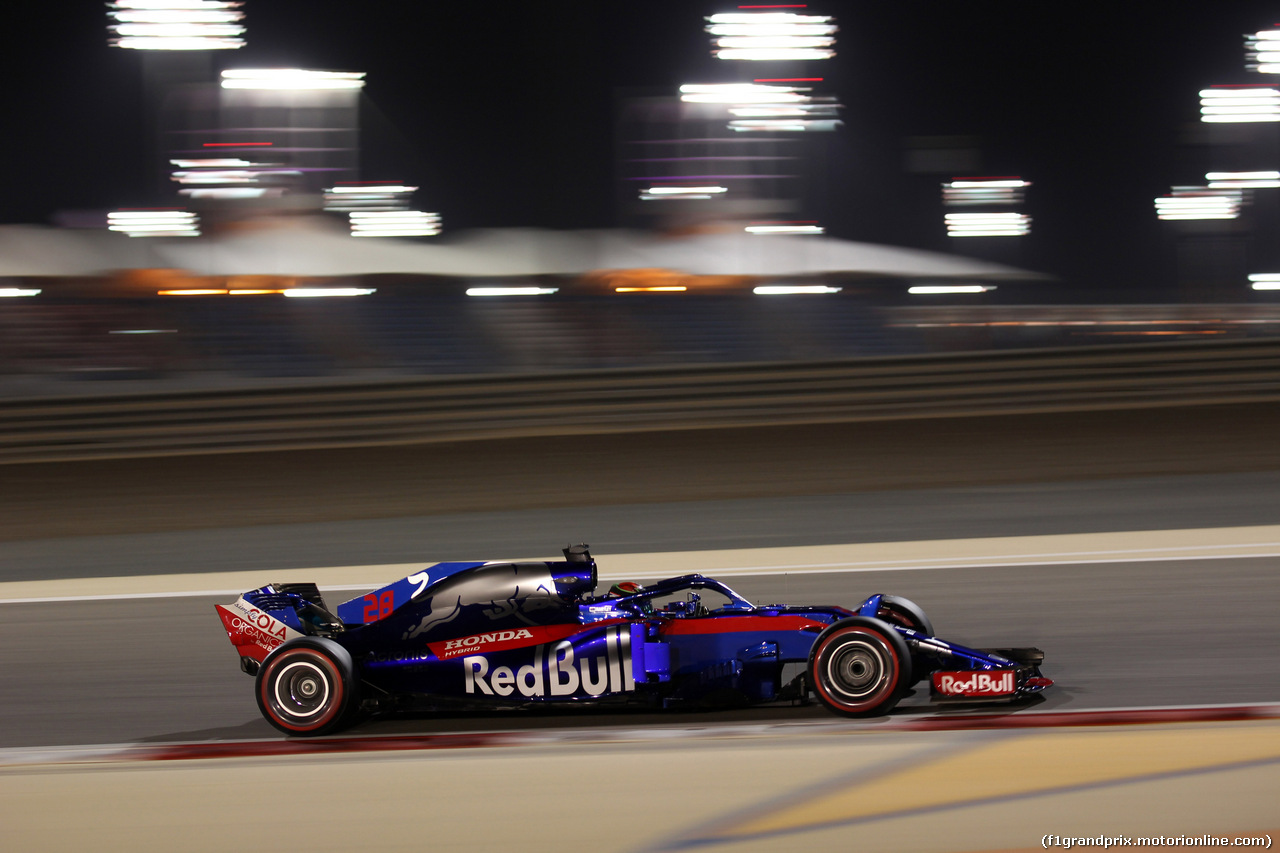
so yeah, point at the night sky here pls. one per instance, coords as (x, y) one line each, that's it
(504, 113)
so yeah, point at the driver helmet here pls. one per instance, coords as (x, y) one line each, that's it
(622, 588)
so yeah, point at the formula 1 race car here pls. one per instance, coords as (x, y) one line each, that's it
(528, 633)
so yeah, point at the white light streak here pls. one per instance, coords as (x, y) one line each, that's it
(154, 223)
(774, 54)
(1262, 51)
(233, 192)
(394, 223)
(1191, 203)
(775, 42)
(782, 124)
(1243, 180)
(785, 229)
(745, 93)
(789, 289)
(1265, 281)
(1239, 104)
(315, 292)
(1242, 176)
(293, 79)
(511, 291)
(681, 191)
(950, 288)
(762, 30)
(176, 25)
(211, 163)
(967, 192)
(375, 189)
(14, 292)
(767, 18)
(987, 224)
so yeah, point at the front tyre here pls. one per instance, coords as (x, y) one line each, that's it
(904, 612)
(859, 667)
(306, 687)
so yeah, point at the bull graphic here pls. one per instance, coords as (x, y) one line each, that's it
(503, 591)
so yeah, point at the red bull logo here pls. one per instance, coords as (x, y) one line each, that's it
(556, 670)
(972, 684)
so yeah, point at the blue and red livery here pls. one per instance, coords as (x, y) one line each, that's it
(529, 633)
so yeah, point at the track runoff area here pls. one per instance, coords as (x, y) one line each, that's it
(1067, 774)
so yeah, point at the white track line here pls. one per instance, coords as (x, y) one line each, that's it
(986, 554)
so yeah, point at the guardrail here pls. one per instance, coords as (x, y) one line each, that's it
(635, 400)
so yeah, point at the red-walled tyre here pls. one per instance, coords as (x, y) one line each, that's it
(903, 611)
(859, 667)
(306, 687)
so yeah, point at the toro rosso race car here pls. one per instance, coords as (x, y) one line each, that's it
(530, 633)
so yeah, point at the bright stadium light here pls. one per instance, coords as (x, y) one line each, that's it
(377, 188)
(394, 223)
(950, 288)
(980, 191)
(785, 228)
(14, 292)
(368, 196)
(291, 79)
(793, 289)
(696, 193)
(771, 36)
(1191, 203)
(511, 291)
(1262, 51)
(1243, 180)
(154, 223)
(321, 292)
(1239, 104)
(987, 224)
(176, 24)
(1265, 281)
(741, 93)
(760, 107)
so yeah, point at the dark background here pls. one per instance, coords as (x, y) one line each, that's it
(504, 113)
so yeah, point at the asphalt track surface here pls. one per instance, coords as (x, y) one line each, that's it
(1117, 634)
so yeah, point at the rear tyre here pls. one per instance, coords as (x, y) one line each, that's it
(859, 667)
(306, 687)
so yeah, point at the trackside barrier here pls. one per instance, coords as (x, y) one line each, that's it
(636, 400)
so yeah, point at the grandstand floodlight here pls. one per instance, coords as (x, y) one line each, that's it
(920, 289)
(511, 291)
(1265, 281)
(697, 193)
(963, 192)
(785, 228)
(772, 36)
(1247, 103)
(1262, 51)
(154, 223)
(320, 292)
(350, 198)
(176, 24)
(793, 289)
(291, 79)
(742, 93)
(1191, 203)
(1243, 180)
(784, 125)
(987, 224)
(394, 223)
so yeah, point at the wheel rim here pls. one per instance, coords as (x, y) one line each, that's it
(303, 691)
(857, 669)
